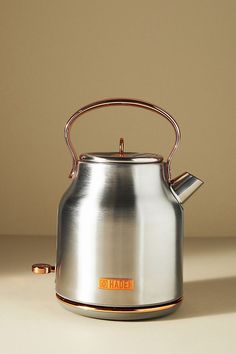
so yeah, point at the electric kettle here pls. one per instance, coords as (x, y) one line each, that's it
(120, 230)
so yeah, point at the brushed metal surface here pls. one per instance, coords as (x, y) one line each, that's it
(119, 221)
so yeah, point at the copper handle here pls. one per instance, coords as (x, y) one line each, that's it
(43, 268)
(117, 102)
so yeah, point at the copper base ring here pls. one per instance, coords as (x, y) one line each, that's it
(120, 313)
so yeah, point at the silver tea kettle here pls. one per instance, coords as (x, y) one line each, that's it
(120, 230)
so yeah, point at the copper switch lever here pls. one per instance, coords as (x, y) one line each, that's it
(43, 268)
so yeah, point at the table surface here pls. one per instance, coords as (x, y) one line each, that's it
(32, 321)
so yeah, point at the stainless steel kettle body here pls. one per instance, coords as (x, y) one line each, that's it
(120, 233)
(119, 221)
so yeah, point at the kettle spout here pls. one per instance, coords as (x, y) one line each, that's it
(184, 186)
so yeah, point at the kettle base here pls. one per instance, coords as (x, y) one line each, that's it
(120, 313)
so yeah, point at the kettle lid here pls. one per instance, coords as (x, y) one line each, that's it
(126, 157)
(121, 156)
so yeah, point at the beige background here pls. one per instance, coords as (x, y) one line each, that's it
(59, 55)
